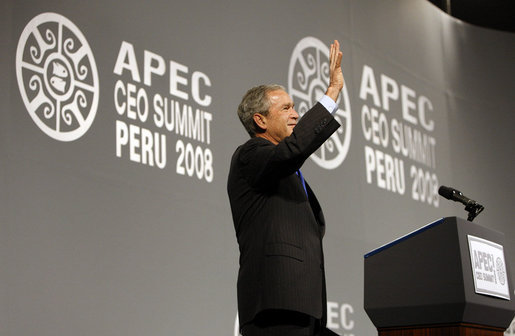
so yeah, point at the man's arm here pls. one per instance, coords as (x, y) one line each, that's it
(270, 162)
(266, 162)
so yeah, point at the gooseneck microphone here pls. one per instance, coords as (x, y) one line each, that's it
(473, 207)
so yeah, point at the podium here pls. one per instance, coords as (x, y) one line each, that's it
(449, 277)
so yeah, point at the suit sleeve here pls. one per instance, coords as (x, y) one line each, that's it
(266, 162)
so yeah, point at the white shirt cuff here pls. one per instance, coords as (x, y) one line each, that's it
(329, 104)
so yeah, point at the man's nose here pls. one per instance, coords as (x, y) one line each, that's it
(295, 115)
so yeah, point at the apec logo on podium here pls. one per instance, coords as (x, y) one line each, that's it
(488, 268)
(57, 76)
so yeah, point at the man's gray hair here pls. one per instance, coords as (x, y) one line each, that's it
(255, 101)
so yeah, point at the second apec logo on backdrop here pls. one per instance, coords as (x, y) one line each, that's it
(308, 77)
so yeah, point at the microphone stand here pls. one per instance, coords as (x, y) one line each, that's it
(473, 209)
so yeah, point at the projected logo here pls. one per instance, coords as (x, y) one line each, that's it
(57, 76)
(308, 78)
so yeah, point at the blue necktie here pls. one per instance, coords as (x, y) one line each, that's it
(302, 180)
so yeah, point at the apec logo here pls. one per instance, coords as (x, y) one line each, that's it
(57, 77)
(340, 317)
(308, 78)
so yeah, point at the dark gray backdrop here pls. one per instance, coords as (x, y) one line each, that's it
(94, 243)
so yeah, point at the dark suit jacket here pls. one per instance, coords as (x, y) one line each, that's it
(279, 229)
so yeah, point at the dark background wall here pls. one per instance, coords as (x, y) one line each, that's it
(94, 242)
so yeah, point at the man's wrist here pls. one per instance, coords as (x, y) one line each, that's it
(329, 104)
(333, 93)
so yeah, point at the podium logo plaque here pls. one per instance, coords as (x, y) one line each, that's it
(488, 267)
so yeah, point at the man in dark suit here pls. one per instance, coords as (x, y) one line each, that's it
(278, 220)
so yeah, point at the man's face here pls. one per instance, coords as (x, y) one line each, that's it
(281, 118)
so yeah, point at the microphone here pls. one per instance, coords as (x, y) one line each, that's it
(454, 195)
(473, 207)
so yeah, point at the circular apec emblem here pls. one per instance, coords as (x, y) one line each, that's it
(57, 76)
(501, 273)
(308, 78)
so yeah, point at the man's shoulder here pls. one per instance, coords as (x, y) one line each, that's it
(246, 156)
(247, 149)
(257, 141)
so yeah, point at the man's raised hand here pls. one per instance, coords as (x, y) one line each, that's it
(336, 80)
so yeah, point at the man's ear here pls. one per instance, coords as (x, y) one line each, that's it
(260, 120)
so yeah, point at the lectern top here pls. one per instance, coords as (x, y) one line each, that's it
(405, 237)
